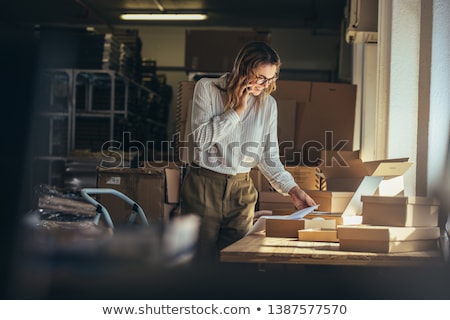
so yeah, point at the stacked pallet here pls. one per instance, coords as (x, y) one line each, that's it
(79, 49)
(130, 53)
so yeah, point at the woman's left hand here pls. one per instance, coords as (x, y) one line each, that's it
(300, 198)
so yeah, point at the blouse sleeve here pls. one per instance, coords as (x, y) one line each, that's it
(270, 164)
(210, 123)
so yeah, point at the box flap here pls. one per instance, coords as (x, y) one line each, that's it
(329, 194)
(329, 156)
(356, 168)
(388, 168)
(348, 168)
(367, 187)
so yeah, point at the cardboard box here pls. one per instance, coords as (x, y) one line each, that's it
(385, 239)
(352, 213)
(289, 228)
(155, 189)
(322, 234)
(325, 116)
(338, 217)
(269, 200)
(287, 110)
(283, 212)
(331, 201)
(298, 91)
(308, 178)
(400, 211)
(328, 119)
(387, 233)
(344, 173)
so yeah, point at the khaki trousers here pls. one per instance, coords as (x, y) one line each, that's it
(226, 204)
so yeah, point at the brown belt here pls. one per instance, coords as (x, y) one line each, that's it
(216, 175)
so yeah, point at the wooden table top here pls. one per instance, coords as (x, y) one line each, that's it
(257, 248)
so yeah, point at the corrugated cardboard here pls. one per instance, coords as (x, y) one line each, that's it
(331, 201)
(328, 119)
(269, 200)
(387, 233)
(308, 178)
(298, 91)
(353, 210)
(386, 239)
(287, 110)
(340, 219)
(283, 212)
(323, 234)
(386, 246)
(289, 228)
(343, 173)
(400, 211)
(316, 129)
(155, 189)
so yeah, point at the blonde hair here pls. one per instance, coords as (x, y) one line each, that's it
(250, 56)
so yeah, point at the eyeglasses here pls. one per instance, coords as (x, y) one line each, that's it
(261, 80)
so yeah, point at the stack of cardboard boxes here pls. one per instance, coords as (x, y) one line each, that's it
(374, 217)
(346, 182)
(393, 224)
(154, 186)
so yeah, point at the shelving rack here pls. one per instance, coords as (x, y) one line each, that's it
(81, 109)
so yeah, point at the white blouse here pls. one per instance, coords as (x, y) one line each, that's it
(227, 143)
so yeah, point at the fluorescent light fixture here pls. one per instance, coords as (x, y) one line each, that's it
(163, 16)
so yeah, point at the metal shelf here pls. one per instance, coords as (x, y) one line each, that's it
(70, 101)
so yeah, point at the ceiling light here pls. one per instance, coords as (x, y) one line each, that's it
(163, 16)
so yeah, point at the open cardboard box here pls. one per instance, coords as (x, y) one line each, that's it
(344, 171)
(290, 228)
(352, 213)
(345, 175)
(287, 226)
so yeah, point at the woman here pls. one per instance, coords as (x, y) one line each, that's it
(234, 127)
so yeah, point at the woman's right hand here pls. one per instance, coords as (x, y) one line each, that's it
(245, 90)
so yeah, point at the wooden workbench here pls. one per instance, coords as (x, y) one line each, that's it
(259, 249)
